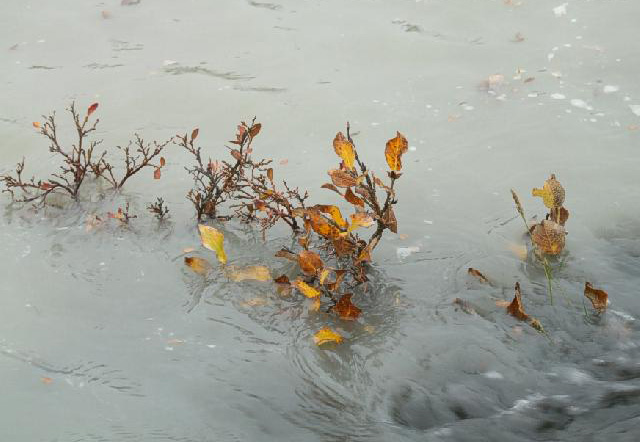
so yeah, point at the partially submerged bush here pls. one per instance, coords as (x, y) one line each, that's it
(80, 160)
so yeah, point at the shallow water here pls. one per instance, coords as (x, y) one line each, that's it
(105, 336)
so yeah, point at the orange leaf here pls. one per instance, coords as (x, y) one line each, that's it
(36, 124)
(477, 274)
(345, 150)
(157, 174)
(599, 298)
(352, 198)
(270, 174)
(345, 308)
(341, 178)
(306, 289)
(92, 109)
(310, 262)
(46, 380)
(198, 265)
(327, 335)
(321, 226)
(162, 161)
(394, 150)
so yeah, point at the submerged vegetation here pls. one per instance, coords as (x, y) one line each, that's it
(331, 254)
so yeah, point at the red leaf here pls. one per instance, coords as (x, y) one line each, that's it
(157, 174)
(92, 109)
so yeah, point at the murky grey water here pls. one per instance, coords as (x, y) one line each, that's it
(137, 348)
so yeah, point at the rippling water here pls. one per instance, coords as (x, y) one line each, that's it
(105, 336)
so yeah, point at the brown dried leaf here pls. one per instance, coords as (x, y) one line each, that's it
(270, 174)
(194, 133)
(599, 298)
(310, 262)
(345, 150)
(157, 174)
(477, 274)
(162, 162)
(560, 215)
(198, 265)
(394, 150)
(346, 309)
(236, 155)
(549, 237)
(352, 198)
(390, 220)
(341, 178)
(552, 193)
(255, 130)
(343, 246)
(331, 187)
(516, 309)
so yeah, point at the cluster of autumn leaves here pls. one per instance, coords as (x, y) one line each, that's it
(323, 233)
(548, 240)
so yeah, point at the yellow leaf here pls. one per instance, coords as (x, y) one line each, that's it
(324, 274)
(345, 150)
(327, 335)
(257, 273)
(334, 213)
(394, 150)
(306, 289)
(360, 219)
(213, 239)
(552, 193)
(198, 265)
